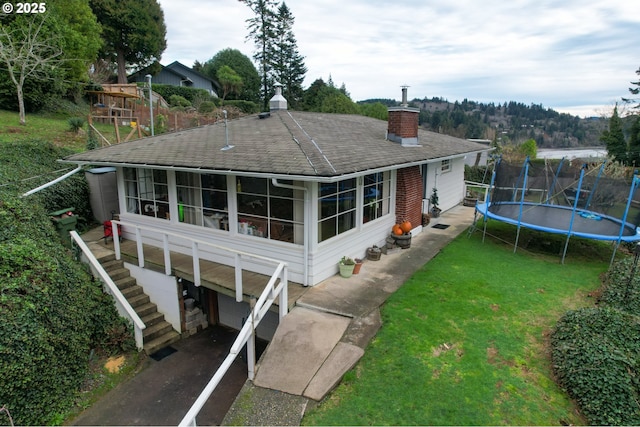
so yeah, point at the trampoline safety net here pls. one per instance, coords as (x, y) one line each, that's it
(568, 197)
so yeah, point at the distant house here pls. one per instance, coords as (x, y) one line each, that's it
(303, 187)
(177, 74)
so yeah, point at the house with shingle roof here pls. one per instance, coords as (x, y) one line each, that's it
(177, 74)
(303, 187)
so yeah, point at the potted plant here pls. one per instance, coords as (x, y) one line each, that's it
(358, 265)
(346, 266)
(373, 253)
(433, 201)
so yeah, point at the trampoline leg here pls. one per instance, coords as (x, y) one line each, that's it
(566, 245)
(515, 246)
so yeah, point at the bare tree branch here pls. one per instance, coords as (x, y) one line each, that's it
(28, 51)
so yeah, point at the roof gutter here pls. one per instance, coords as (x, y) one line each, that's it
(55, 181)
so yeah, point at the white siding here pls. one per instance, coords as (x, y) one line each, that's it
(162, 290)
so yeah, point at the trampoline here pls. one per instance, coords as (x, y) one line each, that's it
(564, 199)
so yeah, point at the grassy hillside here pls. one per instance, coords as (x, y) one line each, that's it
(54, 128)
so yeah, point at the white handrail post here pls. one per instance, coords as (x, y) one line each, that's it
(284, 295)
(139, 247)
(167, 254)
(251, 342)
(116, 238)
(238, 271)
(196, 263)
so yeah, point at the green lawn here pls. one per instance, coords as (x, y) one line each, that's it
(464, 341)
(54, 128)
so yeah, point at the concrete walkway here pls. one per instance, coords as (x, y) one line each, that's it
(329, 329)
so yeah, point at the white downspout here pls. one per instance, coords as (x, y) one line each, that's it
(55, 181)
(275, 183)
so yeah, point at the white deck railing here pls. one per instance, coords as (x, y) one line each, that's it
(471, 187)
(277, 287)
(123, 306)
(196, 244)
(246, 336)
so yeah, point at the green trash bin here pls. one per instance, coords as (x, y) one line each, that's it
(64, 221)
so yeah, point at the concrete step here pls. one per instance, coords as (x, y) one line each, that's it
(114, 264)
(155, 331)
(132, 291)
(125, 283)
(161, 342)
(106, 257)
(138, 300)
(119, 273)
(146, 309)
(152, 318)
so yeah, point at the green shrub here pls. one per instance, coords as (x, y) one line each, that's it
(622, 288)
(92, 140)
(246, 107)
(206, 107)
(178, 101)
(477, 174)
(75, 124)
(596, 355)
(189, 93)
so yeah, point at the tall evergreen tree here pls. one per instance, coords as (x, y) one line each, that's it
(288, 67)
(613, 138)
(634, 91)
(133, 31)
(262, 31)
(634, 143)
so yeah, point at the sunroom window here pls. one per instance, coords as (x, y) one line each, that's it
(147, 192)
(202, 199)
(270, 212)
(336, 208)
(377, 196)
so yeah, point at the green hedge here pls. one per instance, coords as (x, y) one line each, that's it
(596, 351)
(53, 313)
(246, 107)
(192, 95)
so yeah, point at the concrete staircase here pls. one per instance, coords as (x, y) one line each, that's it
(159, 333)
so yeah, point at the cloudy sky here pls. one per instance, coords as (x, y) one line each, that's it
(573, 56)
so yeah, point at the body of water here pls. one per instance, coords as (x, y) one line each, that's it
(580, 153)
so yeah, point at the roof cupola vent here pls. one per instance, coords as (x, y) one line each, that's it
(278, 102)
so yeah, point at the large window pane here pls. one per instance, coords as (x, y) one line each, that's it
(376, 195)
(336, 208)
(147, 192)
(269, 211)
(214, 201)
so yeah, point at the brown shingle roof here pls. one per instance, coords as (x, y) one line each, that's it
(286, 143)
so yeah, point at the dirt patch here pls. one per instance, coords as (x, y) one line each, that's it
(446, 347)
(14, 129)
(114, 364)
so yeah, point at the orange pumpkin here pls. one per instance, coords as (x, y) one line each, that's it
(397, 230)
(405, 226)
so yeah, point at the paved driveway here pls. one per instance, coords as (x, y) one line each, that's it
(163, 392)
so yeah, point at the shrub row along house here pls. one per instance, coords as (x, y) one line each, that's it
(303, 187)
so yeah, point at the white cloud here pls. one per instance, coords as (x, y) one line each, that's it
(570, 54)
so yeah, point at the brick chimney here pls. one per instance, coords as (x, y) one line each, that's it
(278, 102)
(402, 126)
